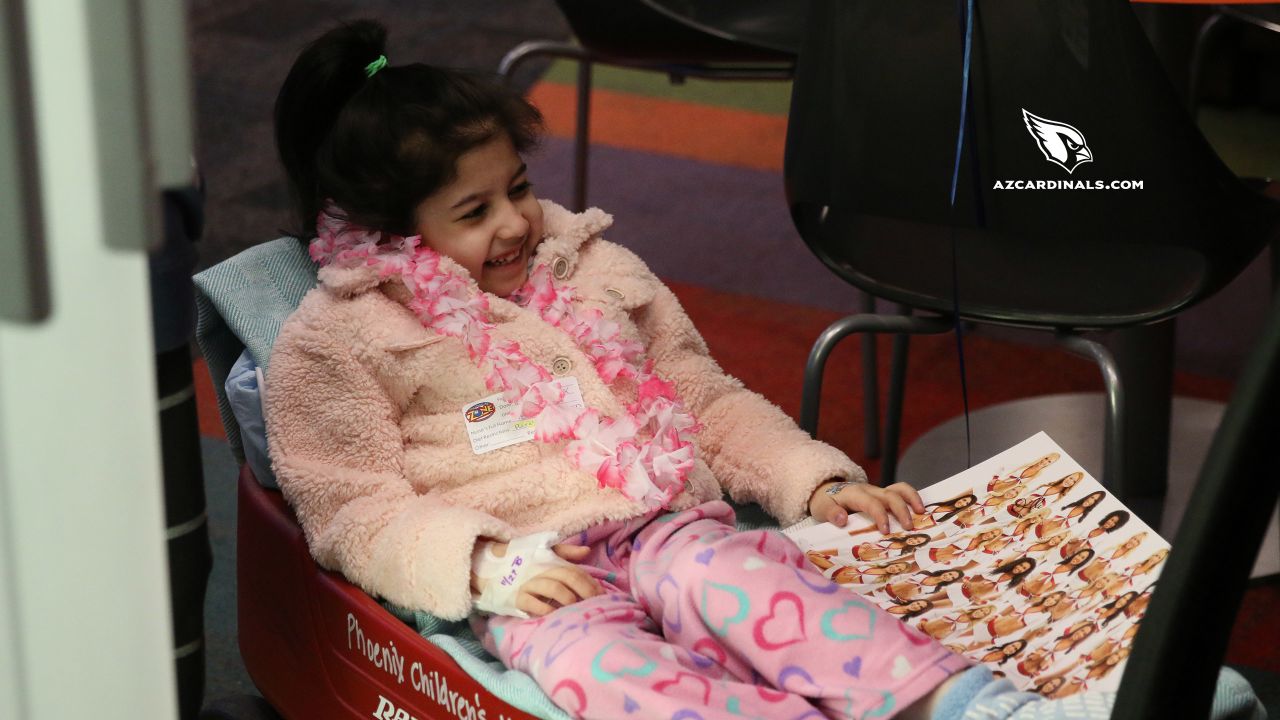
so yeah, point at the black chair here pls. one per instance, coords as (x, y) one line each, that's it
(682, 38)
(1184, 633)
(1224, 22)
(871, 146)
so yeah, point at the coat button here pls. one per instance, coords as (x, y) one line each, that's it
(561, 365)
(560, 268)
(615, 294)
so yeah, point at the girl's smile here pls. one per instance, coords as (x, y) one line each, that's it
(505, 258)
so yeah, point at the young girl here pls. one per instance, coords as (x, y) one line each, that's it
(485, 406)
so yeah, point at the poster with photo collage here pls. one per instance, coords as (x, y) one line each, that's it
(1023, 562)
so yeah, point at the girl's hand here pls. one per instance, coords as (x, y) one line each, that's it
(553, 588)
(560, 586)
(833, 501)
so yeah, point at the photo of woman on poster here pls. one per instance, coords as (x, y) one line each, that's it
(1058, 488)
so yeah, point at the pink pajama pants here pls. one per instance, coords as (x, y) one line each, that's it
(699, 621)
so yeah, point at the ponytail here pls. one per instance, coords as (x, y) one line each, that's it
(378, 143)
(324, 78)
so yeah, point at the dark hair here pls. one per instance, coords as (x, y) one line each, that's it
(1020, 642)
(1121, 516)
(377, 146)
(904, 539)
(1008, 567)
(928, 605)
(1042, 600)
(1088, 556)
(939, 573)
(1097, 495)
(1114, 608)
(1086, 625)
(952, 508)
(1051, 685)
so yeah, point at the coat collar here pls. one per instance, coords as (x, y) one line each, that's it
(564, 233)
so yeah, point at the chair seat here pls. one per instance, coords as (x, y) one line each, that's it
(1003, 277)
(630, 32)
(1153, 223)
(771, 24)
(1265, 16)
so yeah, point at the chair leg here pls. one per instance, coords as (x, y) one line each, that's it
(581, 140)
(1275, 266)
(811, 391)
(893, 414)
(517, 55)
(841, 329)
(581, 136)
(1113, 428)
(870, 386)
(1209, 32)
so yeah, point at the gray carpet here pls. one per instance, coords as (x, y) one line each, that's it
(242, 49)
(224, 670)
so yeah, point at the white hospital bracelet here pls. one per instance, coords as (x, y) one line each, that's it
(526, 558)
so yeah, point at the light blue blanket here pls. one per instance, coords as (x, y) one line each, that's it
(241, 304)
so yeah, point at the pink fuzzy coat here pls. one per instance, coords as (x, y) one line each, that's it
(364, 417)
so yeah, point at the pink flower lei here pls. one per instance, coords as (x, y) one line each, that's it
(645, 454)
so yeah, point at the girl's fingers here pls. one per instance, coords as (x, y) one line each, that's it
(574, 582)
(550, 588)
(532, 605)
(578, 581)
(827, 508)
(836, 515)
(572, 553)
(820, 502)
(899, 499)
(908, 493)
(873, 506)
(898, 506)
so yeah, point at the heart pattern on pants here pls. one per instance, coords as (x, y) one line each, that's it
(619, 659)
(685, 685)
(784, 625)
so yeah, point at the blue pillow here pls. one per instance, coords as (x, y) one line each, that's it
(245, 397)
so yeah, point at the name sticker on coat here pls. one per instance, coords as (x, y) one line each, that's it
(493, 423)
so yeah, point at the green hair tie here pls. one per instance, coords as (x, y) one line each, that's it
(372, 68)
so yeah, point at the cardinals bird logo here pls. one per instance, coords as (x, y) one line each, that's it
(1061, 144)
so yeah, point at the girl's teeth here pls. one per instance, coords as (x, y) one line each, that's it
(504, 260)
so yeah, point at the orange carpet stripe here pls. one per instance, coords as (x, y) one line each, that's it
(699, 132)
(206, 402)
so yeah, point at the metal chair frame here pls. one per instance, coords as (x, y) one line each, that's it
(678, 71)
(903, 326)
